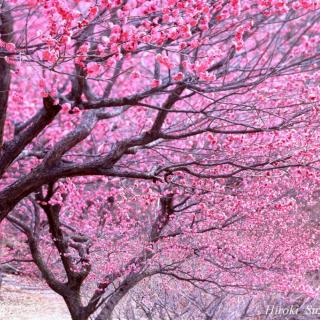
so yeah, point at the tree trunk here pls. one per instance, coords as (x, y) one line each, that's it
(125, 286)
(106, 312)
(6, 26)
(75, 307)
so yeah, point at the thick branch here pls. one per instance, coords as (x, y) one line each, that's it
(11, 149)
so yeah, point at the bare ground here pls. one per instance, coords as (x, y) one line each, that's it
(20, 300)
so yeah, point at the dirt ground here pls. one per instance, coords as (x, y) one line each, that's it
(20, 300)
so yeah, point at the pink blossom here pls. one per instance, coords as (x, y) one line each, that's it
(93, 68)
(66, 107)
(48, 55)
(135, 75)
(155, 83)
(178, 76)
(11, 47)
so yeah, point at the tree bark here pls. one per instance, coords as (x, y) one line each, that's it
(6, 28)
(73, 302)
(125, 286)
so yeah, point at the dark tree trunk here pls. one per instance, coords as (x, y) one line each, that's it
(125, 286)
(73, 302)
(106, 312)
(6, 25)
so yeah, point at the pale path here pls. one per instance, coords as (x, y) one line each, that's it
(22, 301)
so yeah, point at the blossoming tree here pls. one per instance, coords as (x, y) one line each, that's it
(174, 137)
